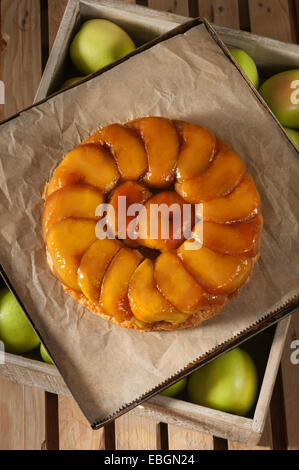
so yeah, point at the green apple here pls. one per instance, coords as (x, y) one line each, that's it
(293, 135)
(175, 389)
(45, 355)
(98, 43)
(70, 82)
(247, 64)
(229, 383)
(281, 93)
(15, 330)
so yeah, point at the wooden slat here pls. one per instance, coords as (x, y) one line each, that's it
(278, 417)
(272, 18)
(21, 408)
(75, 432)
(220, 12)
(55, 13)
(34, 418)
(21, 66)
(183, 439)
(11, 416)
(3, 45)
(135, 433)
(180, 7)
(51, 422)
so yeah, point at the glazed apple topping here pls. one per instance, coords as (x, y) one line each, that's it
(67, 242)
(93, 266)
(151, 170)
(216, 273)
(240, 205)
(178, 286)
(127, 149)
(73, 201)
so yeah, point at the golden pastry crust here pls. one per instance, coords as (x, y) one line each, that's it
(194, 183)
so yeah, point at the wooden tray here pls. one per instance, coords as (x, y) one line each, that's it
(144, 24)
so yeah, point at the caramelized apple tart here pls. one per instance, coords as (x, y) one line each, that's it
(169, 280)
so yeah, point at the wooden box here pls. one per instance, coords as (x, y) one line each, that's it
(266, 348)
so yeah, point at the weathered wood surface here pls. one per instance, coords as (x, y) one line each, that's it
(136, 432)
(21, 60)
(20, 27)
(22, 417)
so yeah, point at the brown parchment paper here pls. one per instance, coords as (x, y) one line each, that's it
(185, 77)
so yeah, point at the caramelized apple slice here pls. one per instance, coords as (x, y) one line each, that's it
(197, 150)
(77, 201)
(114, 294)
(217, 273)
(162, 144)
(127, 149)
(241, 205)
(89, 164)
(135, 193)
(147, 303)
(164, 229)
(236, 239)
(177, 285)
(93, 266)
(67, 241)
(221, 177)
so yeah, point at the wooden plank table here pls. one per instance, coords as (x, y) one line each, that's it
(42, 420)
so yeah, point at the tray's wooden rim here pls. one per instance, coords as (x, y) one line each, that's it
(268, 320)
